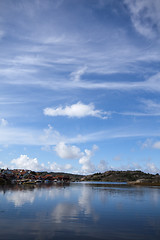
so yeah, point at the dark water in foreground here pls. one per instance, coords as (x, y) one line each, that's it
(80, 211)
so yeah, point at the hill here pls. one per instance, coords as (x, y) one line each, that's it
(134, 177)
(131, 177)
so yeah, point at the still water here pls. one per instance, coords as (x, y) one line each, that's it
(80, 211)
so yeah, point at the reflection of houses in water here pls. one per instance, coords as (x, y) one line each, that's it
(56, 179)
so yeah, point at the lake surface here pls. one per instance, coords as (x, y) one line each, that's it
(80, 211)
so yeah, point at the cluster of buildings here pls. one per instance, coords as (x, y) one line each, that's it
(20, 176)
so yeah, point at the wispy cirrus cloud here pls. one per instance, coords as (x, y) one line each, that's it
(152, 106)
(147, 108)
(75, 76)
(50, 56)
(152, 84)
(51, 137)
(69, 50)
(150, 143)
(145, 16)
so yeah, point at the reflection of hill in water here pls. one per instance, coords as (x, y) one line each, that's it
(31, 187)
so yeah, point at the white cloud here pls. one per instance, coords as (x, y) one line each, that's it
(87, 165)
(75, 76)
(15, 72)
(151, 84)
(24, 162)
(72, 152)
(78, 110)
(51, 136)
(67, 152)
(59, 168)
(99, 58)
(149, 107)
(145, 16)
(152, 107)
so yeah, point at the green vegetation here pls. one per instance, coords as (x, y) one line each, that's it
(21, 176)
(27, 176)
(132, 177)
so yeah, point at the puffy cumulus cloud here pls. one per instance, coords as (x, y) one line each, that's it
(145, 16)
(87, 165)
(59, 168)
(72, 152)
(24, 162)
(78, 110)
(67, 152)
(3, 122)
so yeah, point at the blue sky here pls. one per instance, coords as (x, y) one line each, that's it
(80, 85)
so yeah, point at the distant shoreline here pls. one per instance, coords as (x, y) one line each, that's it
(21, 176)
